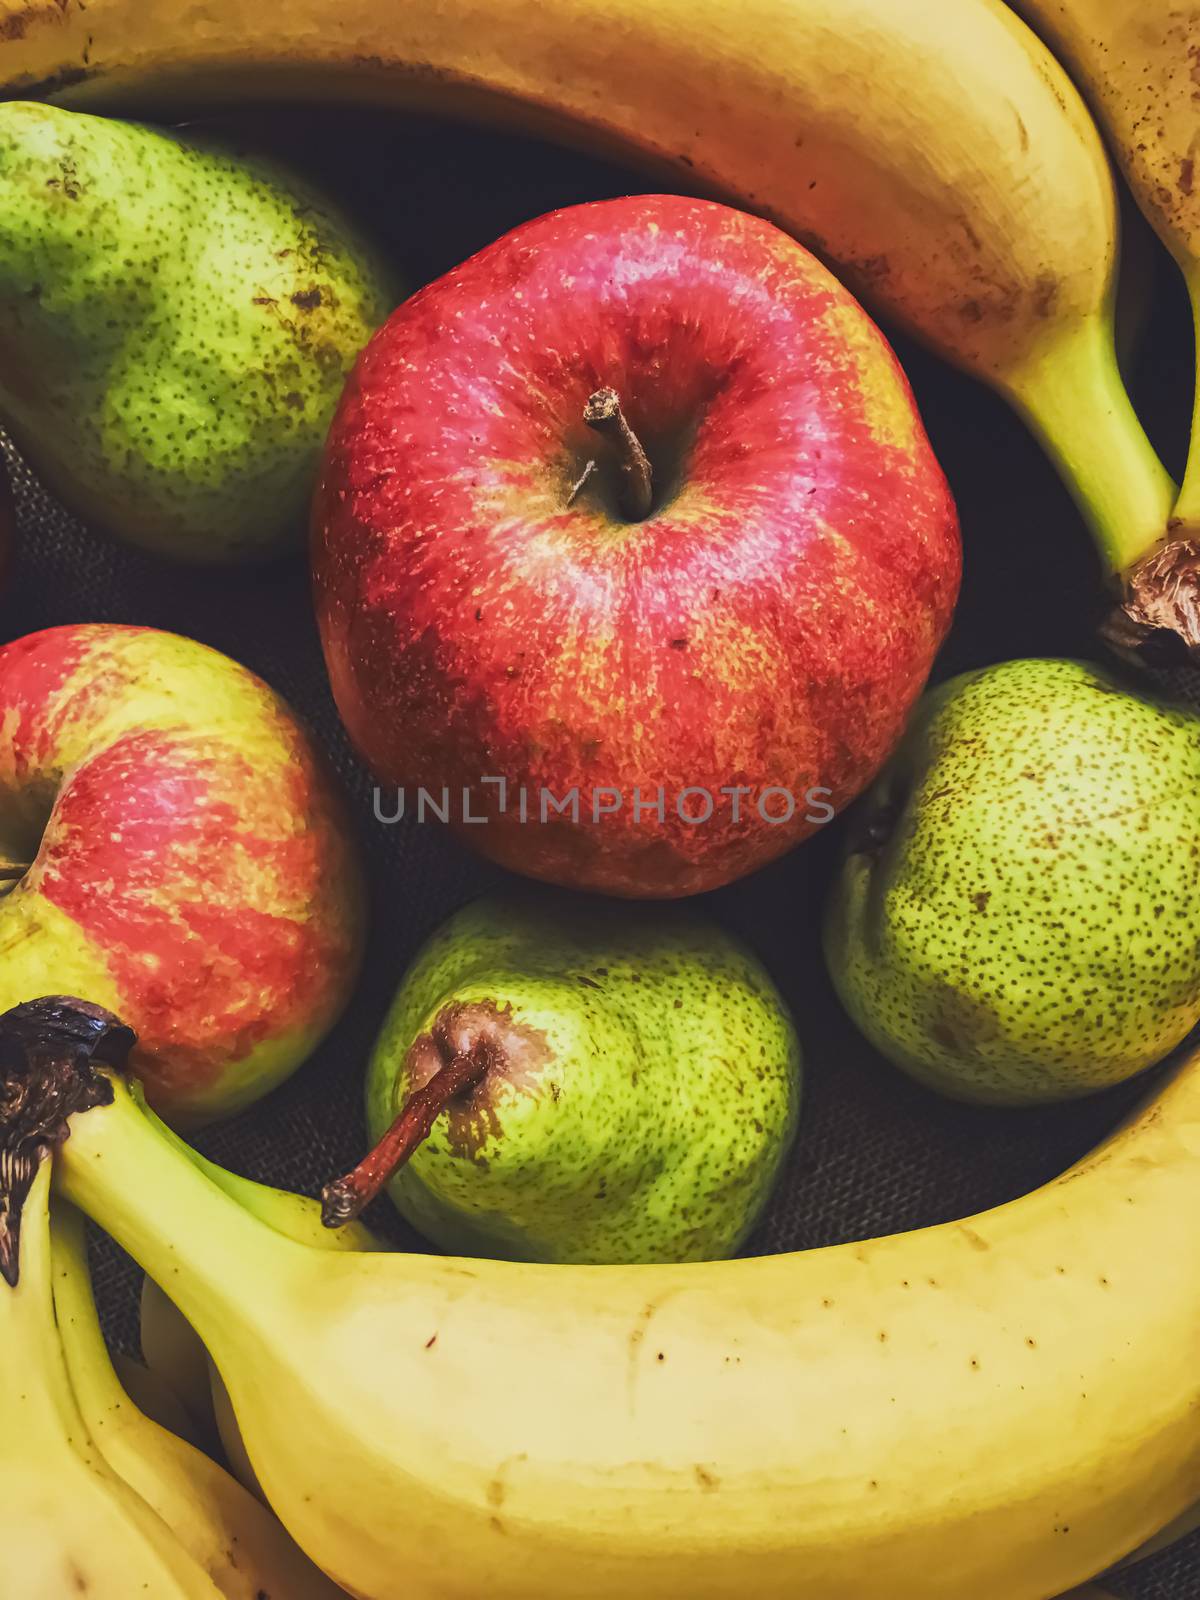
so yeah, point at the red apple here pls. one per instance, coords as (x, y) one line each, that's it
(767, 626)
(170, 848)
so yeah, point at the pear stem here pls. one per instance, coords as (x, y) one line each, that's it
(345, 1200)
(603, 414)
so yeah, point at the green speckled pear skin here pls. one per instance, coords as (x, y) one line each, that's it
(176, 323)
(650, 1117)
(1020, 918)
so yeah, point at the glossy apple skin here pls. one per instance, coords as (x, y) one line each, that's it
(771, 623)
(192, 869)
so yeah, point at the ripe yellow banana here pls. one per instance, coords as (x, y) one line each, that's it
(233, 1538)
(174, 1352)
(174, 1355)
(932, 148)
(1138, 61)
(155, 1397)
(695, 1432)
(68, 1524)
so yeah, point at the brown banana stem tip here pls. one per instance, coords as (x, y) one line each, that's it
(49, 1049)
(1157, 623)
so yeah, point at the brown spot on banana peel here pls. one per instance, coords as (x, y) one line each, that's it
(638, 1335)
(975, 1240)
(637, 1338)
(1045, 295)
(497, 1489)
(18, 23)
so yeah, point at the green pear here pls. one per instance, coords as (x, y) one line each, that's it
(1018, 918)
(176, 323)
(632, 1085)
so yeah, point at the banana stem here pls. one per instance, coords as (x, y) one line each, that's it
(294, 1215)
(1186, 514)
(47, 1050)
(118, 1169)
(344, 1200)
(164, 1211)
(1074, 400)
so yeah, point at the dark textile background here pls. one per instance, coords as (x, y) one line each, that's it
(876, 1153)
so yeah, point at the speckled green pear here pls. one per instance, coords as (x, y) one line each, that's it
(644, 1096)
(176, 322)
(1018, 918)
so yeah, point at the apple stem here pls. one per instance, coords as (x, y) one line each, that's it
(345, 1200)
(603, 414)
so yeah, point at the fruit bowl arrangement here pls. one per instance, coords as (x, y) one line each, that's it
(634, 545)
